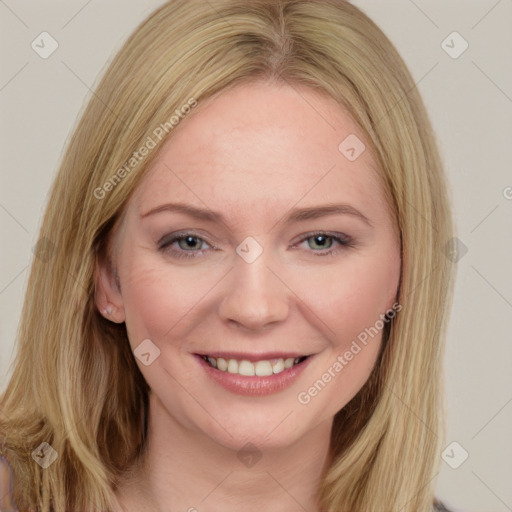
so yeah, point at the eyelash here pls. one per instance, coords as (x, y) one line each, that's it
(165, 243)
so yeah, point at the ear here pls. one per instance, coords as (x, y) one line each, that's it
(108, 298)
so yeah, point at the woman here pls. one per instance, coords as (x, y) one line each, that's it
(240, 293)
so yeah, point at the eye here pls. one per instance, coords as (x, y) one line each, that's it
(188, 244)
(323, 241)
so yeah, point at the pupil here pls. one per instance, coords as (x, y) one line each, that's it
(190, 241)
(320, 239)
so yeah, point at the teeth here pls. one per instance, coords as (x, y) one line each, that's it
(246, 368)
(249, 369)
(263, 368)
(279, 366)
(288, 363)
(233, 366)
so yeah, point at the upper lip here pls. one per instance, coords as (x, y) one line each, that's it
(252, 356)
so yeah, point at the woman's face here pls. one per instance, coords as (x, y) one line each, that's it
(263, 272)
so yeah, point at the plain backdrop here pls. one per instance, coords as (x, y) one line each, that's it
(469, 98)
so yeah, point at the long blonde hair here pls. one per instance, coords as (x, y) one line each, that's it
(75, 384)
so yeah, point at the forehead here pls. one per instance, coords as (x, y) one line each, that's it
(259, 148)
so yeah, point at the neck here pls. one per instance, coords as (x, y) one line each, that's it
(184, 469)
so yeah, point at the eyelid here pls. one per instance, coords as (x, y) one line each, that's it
(182, 234)
(165, 243)
(344, 241)
(348, 240)
(167, 240)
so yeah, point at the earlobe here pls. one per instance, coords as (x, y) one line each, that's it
(107, 295)
(108, 311)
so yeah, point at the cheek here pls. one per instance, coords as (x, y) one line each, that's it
(350, 297)
(157, 297)
(352, 328)
(348, 301)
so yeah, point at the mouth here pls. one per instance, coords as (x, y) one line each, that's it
(253, 365)
(253, 374)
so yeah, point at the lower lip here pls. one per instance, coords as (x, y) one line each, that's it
(254, 386)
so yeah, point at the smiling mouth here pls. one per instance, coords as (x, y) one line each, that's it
(262, 368)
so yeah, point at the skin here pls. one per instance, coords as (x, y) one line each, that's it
(252, 153)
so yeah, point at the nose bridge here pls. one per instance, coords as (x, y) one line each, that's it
(255, 297)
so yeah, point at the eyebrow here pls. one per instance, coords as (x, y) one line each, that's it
(295, 215)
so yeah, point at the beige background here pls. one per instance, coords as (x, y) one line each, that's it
(470, 102)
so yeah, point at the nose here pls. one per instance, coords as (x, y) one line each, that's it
(255, 298)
